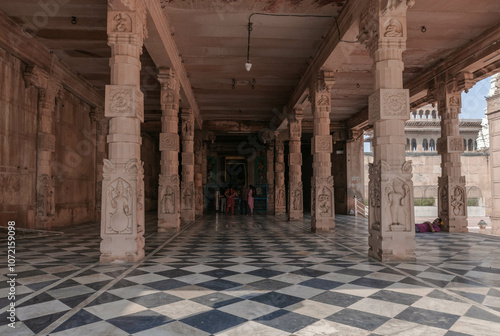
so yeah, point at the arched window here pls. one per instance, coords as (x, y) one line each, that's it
(407, 147)
(432, 145)
(427, 114)
(425, 145)
(421, 113)
(433, 114)
(470, 146)
(413, 145)
(465, 145)
(414, 114)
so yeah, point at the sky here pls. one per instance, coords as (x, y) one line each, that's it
(474, 102)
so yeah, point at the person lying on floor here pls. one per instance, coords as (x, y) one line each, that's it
(428, 226)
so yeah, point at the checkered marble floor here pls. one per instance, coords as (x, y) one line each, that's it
(235, 275)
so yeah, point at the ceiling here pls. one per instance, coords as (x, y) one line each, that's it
(211, 37)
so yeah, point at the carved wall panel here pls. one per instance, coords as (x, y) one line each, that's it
(169, 142)
(124, 101)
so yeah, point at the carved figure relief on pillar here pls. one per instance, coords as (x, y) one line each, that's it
(398, 195)
(280, 200)
(120, 195)
(296, 194)
(45, 203)
(375, 194)
(168, 201)
(458, 201)
(187, 128)
(187, 195)
(325, 203)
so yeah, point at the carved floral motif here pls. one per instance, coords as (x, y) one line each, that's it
(122, 23)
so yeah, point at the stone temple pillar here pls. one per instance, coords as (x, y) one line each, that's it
(101, 128)
(322, 196)
(355, 168)
(198, 174)
(122, 220)
(168, 189)
(187, 183)
(204, 176)
(493, 108)
(279, 179)
(391, 219)
(452, 196)
(295, 190)
(270, 177)
(49, 90)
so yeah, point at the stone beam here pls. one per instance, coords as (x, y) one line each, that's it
(25, 47)
(163, 50)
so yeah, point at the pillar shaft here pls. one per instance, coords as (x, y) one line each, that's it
(122, 219)
(168, 189)
(49, 91)
(187, 185)
(198, 172)
(101, 130)
(452, 197)
(355, 169)
(204, 176)
(270, 177)
(295, 190)
(279, 179)
(391, 218)
(322, 195)
(493, 108)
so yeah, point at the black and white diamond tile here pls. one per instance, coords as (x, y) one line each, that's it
(262, 276)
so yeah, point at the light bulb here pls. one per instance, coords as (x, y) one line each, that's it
(248, 66)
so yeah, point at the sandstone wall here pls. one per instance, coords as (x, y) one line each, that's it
(18, 124)
(150, 155)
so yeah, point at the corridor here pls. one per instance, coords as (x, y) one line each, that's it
(260, 275)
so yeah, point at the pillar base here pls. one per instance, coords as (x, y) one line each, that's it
(295, 216)
(394, 246)
(322, 224)
(167, 224)
(388, 257)
(458, 225)
(129, 258)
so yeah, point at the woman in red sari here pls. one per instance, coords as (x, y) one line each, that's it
(230, 194)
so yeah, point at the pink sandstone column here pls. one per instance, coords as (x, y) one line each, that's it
(452, 197)
(322, 196)
(295, 191)
(198, 173)
(270, 177)
(493, 108)
(168, 189)
(187, 184)
(122, 220)
(279, 179)
(391, 219)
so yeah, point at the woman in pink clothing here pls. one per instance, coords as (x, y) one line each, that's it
(250, 199)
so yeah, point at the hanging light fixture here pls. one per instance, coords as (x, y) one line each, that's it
(248, 65)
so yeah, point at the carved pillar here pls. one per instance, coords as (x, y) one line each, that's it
(168, 189)
(355, 168)
(452, 197)
(204, 152)
(198, 175)
(49, 90)
(391, 218)
(295, 191)
(270, 177)
(101, 129)
(187, 184)
(493, 113)
(279, 179)
(322, 201)
(122, 220)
